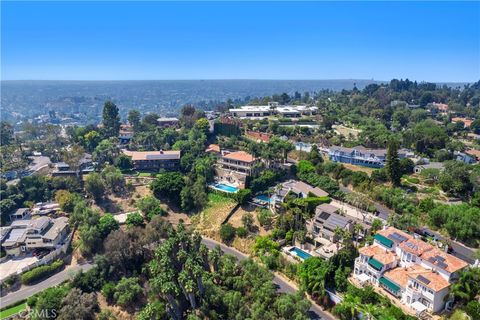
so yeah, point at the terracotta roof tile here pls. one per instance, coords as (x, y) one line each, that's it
(416, 246)
(452, 263)
(240, 156)
(378, 253)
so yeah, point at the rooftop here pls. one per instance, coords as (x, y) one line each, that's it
(444, 260)
(213, 148)
(300, 186)
(166, 119)
(153, 155)
(416, 246)
(382, 255)
(239, 156)
(395, 235)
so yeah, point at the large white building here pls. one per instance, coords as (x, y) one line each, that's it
(261, 112)
(413, 271)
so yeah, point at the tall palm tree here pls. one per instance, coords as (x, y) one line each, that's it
(351, 303)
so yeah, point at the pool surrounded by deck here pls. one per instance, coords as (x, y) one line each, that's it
(224, 187)
(264, 198)
(300, 253)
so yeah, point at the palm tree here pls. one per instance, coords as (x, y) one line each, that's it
(352, 303)
(368, 311)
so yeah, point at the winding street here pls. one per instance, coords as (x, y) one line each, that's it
(283, 286)
(28, 291)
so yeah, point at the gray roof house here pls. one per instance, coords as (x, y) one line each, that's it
(41, 233)
(298, 188)
(326, 220)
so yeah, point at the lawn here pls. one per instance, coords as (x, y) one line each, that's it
(144, 174)
(13, 310)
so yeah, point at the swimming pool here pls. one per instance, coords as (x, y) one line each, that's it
(264, 198)
(224, 187)
(300, 253)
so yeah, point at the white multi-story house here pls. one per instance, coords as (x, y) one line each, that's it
(413, 271)
(260, 112)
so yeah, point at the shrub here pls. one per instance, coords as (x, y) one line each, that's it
(108, 290)
(134, 220)
(242, 232)
(41, 272)
(227, 232)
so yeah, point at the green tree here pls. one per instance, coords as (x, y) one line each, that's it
(134, 119)
(248, 221)
(134, 220)
(94, 186)
(66, 200)
(392, 165)
(227, 232)
(127, 291)
(455, 178)
(111, 120)
(168, 185)
(6, 133)
(106, 152)
(49, 301)
(124, 162)
(150, 207)
(107, 224)
(243, 195)
(78, 305)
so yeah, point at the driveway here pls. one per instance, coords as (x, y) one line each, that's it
(12, 266)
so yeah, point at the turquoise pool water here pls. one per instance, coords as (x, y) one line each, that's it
(264, 198)
(300, 253)
(224, 187)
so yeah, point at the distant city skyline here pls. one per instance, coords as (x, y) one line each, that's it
(423, 41)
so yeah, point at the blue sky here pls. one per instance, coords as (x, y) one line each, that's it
(431, 41)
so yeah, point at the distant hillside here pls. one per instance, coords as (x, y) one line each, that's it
(30, 98)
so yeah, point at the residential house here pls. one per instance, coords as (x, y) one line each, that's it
(326, 222)
(258, 136)
(473, 153)
(168, 122)
(373, 158)
(464, 157)
(261, 112)
(466, 122)
(26, 235)
(213, 149)
(125, 134)
(298, 189)
(20, 213)
(416, 273)
(86, 165)
(440, 108)
(154, 160)
(235, 167)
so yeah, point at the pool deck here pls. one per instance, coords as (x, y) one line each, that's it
(293, 257)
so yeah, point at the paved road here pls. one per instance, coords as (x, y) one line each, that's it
(315, 311)
(54, 280)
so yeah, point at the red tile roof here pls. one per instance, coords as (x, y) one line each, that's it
(240, 156)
